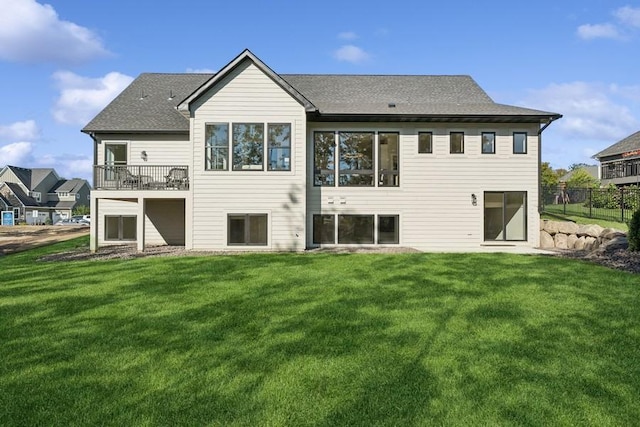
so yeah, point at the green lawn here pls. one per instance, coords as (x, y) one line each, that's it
(584, 220)
(318, 339)
(593, 216)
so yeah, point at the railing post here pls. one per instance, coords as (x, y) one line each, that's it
(590, 202)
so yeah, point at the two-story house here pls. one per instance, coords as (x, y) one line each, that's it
(38, 194)
(620, 162)
(250, 159)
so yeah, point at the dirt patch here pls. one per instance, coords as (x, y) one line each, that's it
(24, 237)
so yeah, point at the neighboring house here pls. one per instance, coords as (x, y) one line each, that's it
(251, 159)
(620, 163)
(43, 191)
(592, 170)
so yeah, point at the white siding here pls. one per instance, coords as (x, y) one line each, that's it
(109, 207)
(161, 149)
(247, 95)
(434, 199)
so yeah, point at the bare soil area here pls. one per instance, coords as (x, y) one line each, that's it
(24, 237)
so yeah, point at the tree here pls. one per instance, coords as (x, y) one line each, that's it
(548, 176)
(575, 166)
(81, 210)
(582, 179)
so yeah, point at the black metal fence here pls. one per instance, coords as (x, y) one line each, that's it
(612, 203)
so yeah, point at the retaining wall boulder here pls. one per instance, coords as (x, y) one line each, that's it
(569, 235)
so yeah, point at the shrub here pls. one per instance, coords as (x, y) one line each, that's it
(634, 232)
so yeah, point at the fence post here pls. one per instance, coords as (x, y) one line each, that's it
(622, 202)
(590, 202)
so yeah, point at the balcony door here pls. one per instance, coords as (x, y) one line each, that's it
(115, 155)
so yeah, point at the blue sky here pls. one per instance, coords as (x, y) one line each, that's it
(63, 60)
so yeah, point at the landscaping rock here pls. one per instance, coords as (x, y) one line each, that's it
(560, 241)
(546, 241)
(571, 241)
(579, 245)
(592, 230)
(590, 243)
(616, 243)
(567, 227)
(551, 227)
(610, 235)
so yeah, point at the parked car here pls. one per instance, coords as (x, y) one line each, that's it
(81, 217)
(82, 222)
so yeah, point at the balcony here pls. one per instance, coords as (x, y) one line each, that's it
(152, 178)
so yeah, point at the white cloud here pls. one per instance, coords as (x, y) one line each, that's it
(81, 98)
(348, 35)
(351, 53)
(32, 32)
(589, 31)
(16, 154)
(200, 71)
(592, 111)
(628, 19)
(628, 15)
(25, 130)
(68, 165)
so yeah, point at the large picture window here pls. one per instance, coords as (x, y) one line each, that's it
(247, 229)
(388, 152)
(505, 215)
(120, 227)
(324, 149)
(248, 146)
(356, 159)
(355, 229)
(324, 228)
(279, 147)
(216, 146)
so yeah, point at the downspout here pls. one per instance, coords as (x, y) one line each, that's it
(546, 125)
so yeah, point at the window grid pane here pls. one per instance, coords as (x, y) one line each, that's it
(388, 229)
(324, 227)
(456, 142)
(247, 229)
(425, 142)
(217, 146)
(356, 159)
(324, 151)
(488, 143)
(388, 151)
(519, 143)
(248, 146)
(355, 229)
(279, 146)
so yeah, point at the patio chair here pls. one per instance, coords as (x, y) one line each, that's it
(177, 178)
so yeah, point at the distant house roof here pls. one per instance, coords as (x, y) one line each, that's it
(31, 178)
(21, 195)
(62, 204)
(69, 186)
(4, 202)
(150, 103)
(628, 144)
(591, 170)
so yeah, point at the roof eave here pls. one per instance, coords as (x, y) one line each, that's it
(461, 118)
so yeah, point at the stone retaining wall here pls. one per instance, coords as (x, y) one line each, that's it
(569, 235)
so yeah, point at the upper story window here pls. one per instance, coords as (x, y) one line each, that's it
(425, 142)
(356, 159)
(279, 147)
(216, 146)
(248, 146)
(488, 143)
(388, 151)
(456, 142)
(37, 196)
(519, 143)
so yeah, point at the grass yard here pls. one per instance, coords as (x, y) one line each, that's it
(581, 214)
(319, 340)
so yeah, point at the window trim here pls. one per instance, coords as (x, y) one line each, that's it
(394, 172)
(247, 215)
(493, 145)
(120, 228)
(207, 147)
(430, 150)
(526, 136)
(269, 148)
(451, 142)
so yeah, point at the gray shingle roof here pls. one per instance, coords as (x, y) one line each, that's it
(24, 198)
(23, 174)
(149, 104)
(4, 202)
(630, 143)
(31, 177)
(69, 185)
(144, 105)
(62, 204)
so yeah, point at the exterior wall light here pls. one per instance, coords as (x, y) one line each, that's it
(474, 199)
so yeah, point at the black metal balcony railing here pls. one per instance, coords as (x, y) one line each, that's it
(110, 177)
(621, 169)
